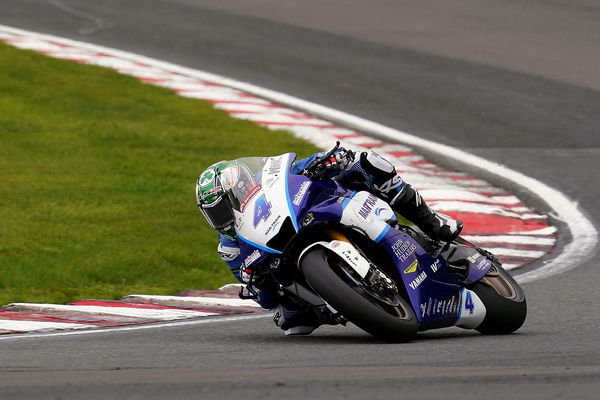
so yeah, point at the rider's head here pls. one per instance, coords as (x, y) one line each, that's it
(220, 189)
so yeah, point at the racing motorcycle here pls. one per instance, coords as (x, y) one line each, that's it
(329, 246)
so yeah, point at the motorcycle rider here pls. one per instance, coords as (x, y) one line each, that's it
(363, 171)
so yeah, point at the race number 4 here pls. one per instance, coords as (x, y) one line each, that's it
(262, 210)
(469, 303)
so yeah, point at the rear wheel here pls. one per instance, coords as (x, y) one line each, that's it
(375, 308)
(504, 300)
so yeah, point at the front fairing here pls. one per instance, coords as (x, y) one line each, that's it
(275, 200)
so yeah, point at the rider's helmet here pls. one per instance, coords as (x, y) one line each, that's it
(220, 189)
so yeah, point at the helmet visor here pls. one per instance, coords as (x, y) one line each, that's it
(219, 214)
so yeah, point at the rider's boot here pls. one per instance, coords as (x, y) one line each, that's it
(438, 226)
(302, 321)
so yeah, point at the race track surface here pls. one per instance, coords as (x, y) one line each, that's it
(516, 82)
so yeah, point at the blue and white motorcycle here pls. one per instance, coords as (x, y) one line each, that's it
(327, 245)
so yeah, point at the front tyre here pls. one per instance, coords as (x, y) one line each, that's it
(504, 300)
(327, 274)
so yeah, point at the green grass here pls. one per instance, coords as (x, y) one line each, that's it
(97, 177)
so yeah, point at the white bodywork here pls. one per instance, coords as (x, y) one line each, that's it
(347, 252)
(369, 213)
(472, 310)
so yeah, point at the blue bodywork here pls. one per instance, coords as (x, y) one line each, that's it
(433, 292)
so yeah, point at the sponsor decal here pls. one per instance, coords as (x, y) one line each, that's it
(277, 316)
(301, 192)
(482, 264)
(436, 308)
(412, 267)
(271, 181)
(348, 256)
(275, 166)
(403, 250)
(214, 191)
(418, 280)
(250, 195)
(251, 258)
(367, 206)
(226, 256)
(273, 225)
(390, 184)
(472, 259)
(435, 266)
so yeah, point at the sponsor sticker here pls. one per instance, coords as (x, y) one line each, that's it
(301, 192)
(273, 224)
(367, 206)
(412, 267)
(251, 258)
(403, 250)
(439, 307)
(435, 266)
(418, 280)
(250, 195)
(275, 165)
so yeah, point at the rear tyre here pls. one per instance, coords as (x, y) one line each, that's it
(327, 275)
(504, 300)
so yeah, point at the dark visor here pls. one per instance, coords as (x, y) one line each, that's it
(218, 214)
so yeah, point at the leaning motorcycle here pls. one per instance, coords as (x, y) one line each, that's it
(326, 245)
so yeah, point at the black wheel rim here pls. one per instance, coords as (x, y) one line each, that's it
(390, 302)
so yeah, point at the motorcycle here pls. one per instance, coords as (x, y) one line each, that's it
(323, 244)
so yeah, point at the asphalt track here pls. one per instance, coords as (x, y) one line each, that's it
(512, 81)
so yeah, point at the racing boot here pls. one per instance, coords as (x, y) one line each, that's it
(409, 203)
(302, 321)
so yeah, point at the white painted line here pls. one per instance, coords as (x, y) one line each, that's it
(193, 300)
(506, 252)
(551, 230)
(459, 206)
(464, 195)
(511, 239)
(105, 330)
(38, 326)
(146, 313)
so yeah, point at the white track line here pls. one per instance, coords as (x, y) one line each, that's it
(193, 300)
(98, 331)
(38, 326)
(163, 314)
(584, 236)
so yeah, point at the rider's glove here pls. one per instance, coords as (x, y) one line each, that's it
(444, 228)
(339, 160)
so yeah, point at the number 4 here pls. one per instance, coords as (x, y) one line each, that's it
(469, 303)
(262, 210)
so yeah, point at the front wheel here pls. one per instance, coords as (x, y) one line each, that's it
(504, 300)
(383, 314)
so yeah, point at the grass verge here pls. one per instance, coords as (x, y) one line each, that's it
(97, 173)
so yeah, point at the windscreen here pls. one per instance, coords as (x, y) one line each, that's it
(241, 179)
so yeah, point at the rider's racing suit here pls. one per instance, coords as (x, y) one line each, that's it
(361, 171)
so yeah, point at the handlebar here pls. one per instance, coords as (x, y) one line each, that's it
(313, 171)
